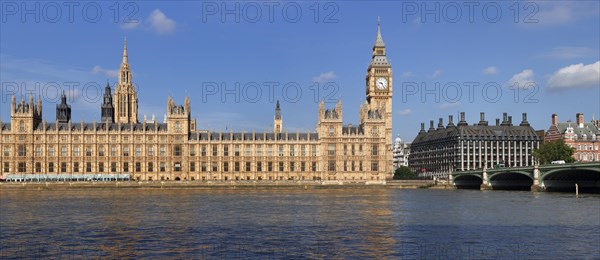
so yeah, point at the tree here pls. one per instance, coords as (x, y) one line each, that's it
(554, 151)
(403, 172)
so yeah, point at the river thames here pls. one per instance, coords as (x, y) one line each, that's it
(318, 223)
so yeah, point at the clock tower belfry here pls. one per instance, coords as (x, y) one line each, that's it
(379, 88)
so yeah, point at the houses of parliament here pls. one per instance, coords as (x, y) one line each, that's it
(178, 149)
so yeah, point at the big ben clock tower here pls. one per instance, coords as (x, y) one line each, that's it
(379, 88)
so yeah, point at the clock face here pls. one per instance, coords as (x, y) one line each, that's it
(381, 84)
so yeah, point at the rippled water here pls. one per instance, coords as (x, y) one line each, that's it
(329, 223)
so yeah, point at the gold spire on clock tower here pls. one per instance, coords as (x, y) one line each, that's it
(125, 97)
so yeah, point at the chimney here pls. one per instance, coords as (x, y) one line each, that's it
(524, 121)
(422, 128)
(431, 125)
(497, 121)
(510, 120)
(580, 120)
(554, 119)
(441, 123)
(450, 123)
(462, 119)
(482, 119)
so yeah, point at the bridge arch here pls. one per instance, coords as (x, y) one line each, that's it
(468, 181)
(564, 179)
(511, 180)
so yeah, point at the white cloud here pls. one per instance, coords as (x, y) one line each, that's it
(557, 12)
(450, 105)
(576, 76)
(130, 25)
(570, 52)
(407, 74)
(109, 73)
(160, 23)
(324, 77)
(522, 79)
(405, 112)
(437, 73)
(157, 22)
(490, 70)
(554, 14)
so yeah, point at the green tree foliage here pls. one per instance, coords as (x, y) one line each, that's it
(404, 172)
(554, 151)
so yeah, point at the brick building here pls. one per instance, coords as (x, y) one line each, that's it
(581, 135)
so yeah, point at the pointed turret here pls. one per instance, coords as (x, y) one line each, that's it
(125, 96)
(379, 59)
(277, 122)
(107, 110)
(125, 59)
(63, 110)
(379, 40)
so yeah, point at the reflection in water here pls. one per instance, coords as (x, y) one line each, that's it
(329, 223)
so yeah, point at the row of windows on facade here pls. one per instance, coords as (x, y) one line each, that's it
(469, 145)
(585, 147)
(588, 157)
(89, 138)
(583, 137)
(204, 167)
(177, 150)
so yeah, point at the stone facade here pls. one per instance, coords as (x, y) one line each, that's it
(581, 135)
(445, 149)
(177, 150)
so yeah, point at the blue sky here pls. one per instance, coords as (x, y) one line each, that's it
(549, 48)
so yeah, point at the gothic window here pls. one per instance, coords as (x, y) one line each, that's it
(21, 150)
(177, 150)
(21, 126)
(331, 165)
(374, 166)
(177, 126)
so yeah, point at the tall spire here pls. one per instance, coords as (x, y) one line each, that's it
(125, 60)
(379, 40)
(277, 111)
(277, 122)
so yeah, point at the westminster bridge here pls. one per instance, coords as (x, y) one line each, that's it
(549, 177)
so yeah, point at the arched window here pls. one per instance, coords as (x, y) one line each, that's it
(178, 126)
(21, 126)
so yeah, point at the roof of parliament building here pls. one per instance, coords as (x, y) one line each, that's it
(482, 130)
